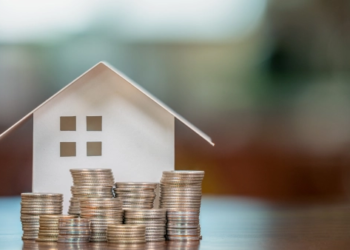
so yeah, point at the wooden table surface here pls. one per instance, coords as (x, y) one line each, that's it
(227, 223)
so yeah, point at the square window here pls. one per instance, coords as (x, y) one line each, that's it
(67, 149)
(94, 123)
(68, 123)
(94, 148)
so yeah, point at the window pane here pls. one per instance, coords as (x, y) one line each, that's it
(68, 149)
(94, 123)
(94, 149)
(68, 123)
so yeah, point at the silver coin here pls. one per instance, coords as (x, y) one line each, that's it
(111, 213)
(176, 238)
(104, 220)
(43, 203)
(89, 170)
(126, 241)
(136, 184)
(57, 203)
(73, 240)
(89, 188)
(73, 220)
(35, 195)
(184, 194)
(73, 231)
(150, 228)
(127, 206)
(125, 231)
(155, 239)
(93, 184)
(183, 172)
(183, 225)
(156, 234)
(183, 216)
(158, 219)
(183, 211)
(145, 217)
(181, 201)
(73, 236)
(98, 200)
(46, 239)
(183, 230)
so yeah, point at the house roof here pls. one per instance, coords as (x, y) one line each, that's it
(172, 112)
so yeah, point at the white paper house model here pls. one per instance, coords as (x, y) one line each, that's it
(102, 120)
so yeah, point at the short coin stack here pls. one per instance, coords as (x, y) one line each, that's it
(75, 230)
(181, 189)
(35, 204)
(48, 230)
(126, 234)
(101, 212)
(136, 194)
(183, 225)
(90, 183)
(153, 219)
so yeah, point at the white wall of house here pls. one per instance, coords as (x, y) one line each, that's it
(137, 134)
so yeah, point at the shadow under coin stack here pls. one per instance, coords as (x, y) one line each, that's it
(48, 230)
(126, 234)
(75, 230)
(181, 191)
(183, 225)
(101, 212)
(136, 195)
(90, 183)
(153, 219)
(35, 204)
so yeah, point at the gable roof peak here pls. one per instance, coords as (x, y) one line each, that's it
(145, 92)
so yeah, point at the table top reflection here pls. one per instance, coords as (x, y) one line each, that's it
(226, 223)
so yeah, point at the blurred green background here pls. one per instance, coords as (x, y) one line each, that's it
(267, 80)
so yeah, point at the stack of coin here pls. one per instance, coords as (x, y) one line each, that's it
(153, 219)
(35, 204)
(101, 212)
(183, 225)
(75, 230)
(181, 189)
(126, 234)
(48, 230)
(90, 183)
(138, 195)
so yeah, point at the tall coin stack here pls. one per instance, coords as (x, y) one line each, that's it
(126, 234)
(101, 212)
(181, 195)
(35, 204)
(75, 230)
(90, 183)
(181, 189)
(136, 195)
(153, 219)
(48, 230)
(183, 225)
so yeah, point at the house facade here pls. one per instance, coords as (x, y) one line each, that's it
(102, 120)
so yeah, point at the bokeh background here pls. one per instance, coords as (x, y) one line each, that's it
(268, 80)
